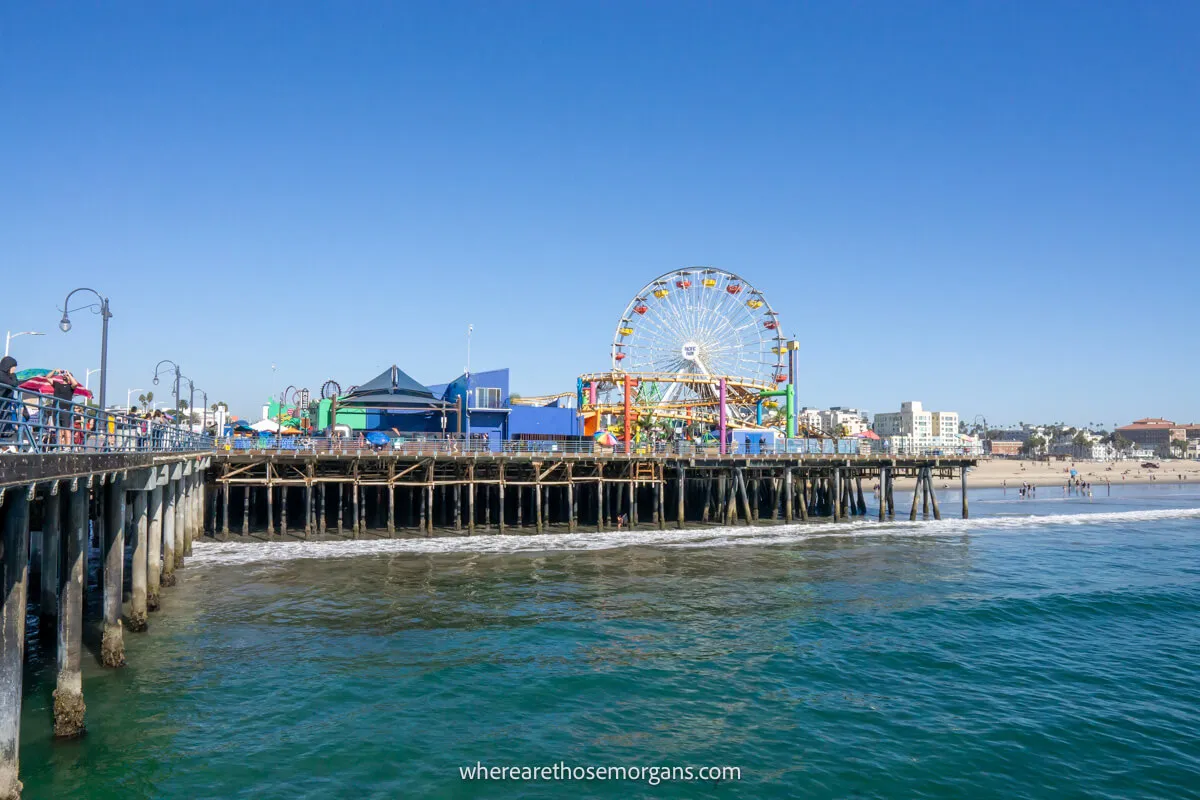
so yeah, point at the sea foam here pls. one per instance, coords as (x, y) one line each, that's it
(207, 553)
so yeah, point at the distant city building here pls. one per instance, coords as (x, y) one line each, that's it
(1156, 434)
(1094, 450)
(844, 421)
(809, 418)
(915, 431)
(1004, 447)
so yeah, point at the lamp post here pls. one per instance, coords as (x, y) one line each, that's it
(204, 411)
(470, 330)
(105, 315)
(129, 393)
(177, 376)
(87, 378)
(464, 425)
(11, 336)
(191, 399)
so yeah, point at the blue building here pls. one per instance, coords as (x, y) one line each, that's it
(490, 412)
(395, 402)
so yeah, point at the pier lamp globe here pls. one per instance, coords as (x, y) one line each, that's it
(64, 324)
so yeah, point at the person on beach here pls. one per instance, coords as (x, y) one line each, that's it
(621, 520)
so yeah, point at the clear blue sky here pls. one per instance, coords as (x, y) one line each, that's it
(990, 207)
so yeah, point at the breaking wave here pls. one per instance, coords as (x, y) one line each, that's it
(224, 553)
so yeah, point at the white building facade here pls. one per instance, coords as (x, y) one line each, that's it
(836, 421)
(844, 421)
(913, 431)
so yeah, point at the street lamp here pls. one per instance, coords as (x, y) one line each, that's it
(12, 336)
(105, 315)
(177, 376)
(129, 393)
(88, 377)
(203, 411)
(191, 399)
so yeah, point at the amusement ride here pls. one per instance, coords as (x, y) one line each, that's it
(699, 347)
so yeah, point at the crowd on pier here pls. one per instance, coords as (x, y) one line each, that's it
(39, 412)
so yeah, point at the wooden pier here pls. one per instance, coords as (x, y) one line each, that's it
(301, 495)
(146, 509)
(140, 508)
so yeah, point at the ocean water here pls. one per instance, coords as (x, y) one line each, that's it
(1043, 649)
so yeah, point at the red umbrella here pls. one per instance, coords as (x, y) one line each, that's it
(41, 384)
(44, 384)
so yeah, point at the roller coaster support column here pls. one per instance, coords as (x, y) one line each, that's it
(793, 347)
(791, 409)
(788, 392)
(592, 392)
(628, 392)
(721, 417)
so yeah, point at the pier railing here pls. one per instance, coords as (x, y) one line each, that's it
(453, 445)
(31, 422)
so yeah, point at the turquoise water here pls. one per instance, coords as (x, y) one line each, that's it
(1046, 648)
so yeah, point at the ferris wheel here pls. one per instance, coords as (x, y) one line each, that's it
(698, 325)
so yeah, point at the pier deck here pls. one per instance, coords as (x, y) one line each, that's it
(352, 491)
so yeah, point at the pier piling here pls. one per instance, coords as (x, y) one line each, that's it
(154, 540)
(112, 645)
(69, 707)
(52, 507)
(937, 512)
(167, 576)
(14, 578)
(180, 494)
(917, 488)
(925, 493)
(965, 510)
(138, 563)
(882, 493)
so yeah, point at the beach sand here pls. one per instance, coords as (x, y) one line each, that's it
(994, 472)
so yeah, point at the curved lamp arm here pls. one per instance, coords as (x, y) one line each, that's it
(65, 323)
(159, 365)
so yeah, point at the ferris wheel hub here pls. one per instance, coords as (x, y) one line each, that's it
(690, 351)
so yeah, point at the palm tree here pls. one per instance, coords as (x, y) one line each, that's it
(146, 399)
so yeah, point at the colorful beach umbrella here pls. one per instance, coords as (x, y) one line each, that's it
(377, 438)
(605, 438)
(25, 374)
(40, 384)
